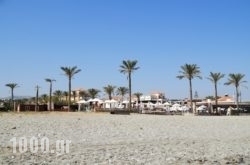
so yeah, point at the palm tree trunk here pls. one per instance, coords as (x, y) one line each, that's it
(122, 97)
(66, 97)
(237, 98)
(37, 88)
(69, 100)
(138, 101)
(74, 95)
(12, 99)
(130, 91)
(216, 95)
(50, 93)
(191, 95)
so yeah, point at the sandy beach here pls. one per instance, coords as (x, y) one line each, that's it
(101, 138)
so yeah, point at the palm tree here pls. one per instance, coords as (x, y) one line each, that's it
(190, 71)
(122, 91)
(109, 90)
(83, 94)
(93, 93)
(50, 81)
(214, 78)
(12, 86)
(70, 72)
(66, 95)
(37, 96)
(33, 100)
(211, 97)
(44, 98)
(128, 67)
(138, 95)
(58, 95)
(74, 95)
(236, 80)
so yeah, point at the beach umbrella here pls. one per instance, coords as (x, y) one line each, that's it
(90, 100)
(125, 102)
(167, 104)
(176, 105)
(185, 108)
(202, 108)
(111, 101)
(81, 102)
(94, 100)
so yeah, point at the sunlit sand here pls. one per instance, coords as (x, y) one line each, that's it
(102, 138)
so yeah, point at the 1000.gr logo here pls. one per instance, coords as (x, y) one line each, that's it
(62, 146)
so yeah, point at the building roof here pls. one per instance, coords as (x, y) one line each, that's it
(226, 98)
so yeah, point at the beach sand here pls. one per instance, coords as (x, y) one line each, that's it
(102, 138)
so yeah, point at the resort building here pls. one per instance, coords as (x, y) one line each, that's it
(154, 97)
(77, 94)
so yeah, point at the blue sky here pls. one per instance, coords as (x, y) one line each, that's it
(38, 37)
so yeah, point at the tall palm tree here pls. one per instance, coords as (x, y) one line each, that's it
(236, 80)
(70, 72)
(214, 78)
(128, 67)
(50, 81)
(93, 93)
(37, 97)
(122, 91)
(12, 86)
(190, 71)
(109, 90)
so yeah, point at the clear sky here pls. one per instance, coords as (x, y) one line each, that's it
(37, 37)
